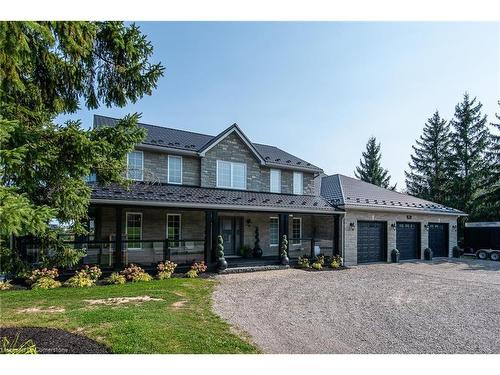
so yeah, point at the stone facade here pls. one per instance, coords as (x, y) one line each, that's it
(351, 237)
(156, 168)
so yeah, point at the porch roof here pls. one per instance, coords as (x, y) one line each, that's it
(167, 195)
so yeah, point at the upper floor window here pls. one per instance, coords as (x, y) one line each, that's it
(91, 177)
(135, 166)
(174, 169)
(275, 183)
(231, 175)
(298, 186)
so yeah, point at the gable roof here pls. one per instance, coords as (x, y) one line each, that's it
(166, 139)
(347, 192)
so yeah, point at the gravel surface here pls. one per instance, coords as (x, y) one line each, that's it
(444, 306)
(54, 341)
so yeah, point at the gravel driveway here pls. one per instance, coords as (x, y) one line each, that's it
(447, 306)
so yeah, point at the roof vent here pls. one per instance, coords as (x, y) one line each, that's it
(277, 159)
(160, 141)
(288, 161)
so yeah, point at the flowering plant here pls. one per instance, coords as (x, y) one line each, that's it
(135, 273)
(81, 279)
(303, 261)
(199, 267)
(192, 274)
(93, 272)
(42, 273)
(317, 266)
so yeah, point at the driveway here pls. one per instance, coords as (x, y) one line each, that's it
(444, 306)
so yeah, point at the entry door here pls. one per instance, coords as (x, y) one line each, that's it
(230, 229)
(408, 240)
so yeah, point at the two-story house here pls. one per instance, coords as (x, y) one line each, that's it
(188, 188)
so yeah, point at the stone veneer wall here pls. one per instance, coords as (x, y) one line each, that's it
(156, 168)
(351, 236)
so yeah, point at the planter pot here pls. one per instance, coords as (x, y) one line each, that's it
(428, 254)
(285, 261)
(222, 264)
(395, 256)
(257, 252)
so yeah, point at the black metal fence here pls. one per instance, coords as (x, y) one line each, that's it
(310, 247)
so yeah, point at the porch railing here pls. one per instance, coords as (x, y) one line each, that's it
(310, 247)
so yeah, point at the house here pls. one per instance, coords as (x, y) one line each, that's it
(188, 188)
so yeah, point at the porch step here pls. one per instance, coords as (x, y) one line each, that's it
(268, 267)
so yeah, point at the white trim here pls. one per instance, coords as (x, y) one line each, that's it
(126, 228)
(277, 218)
(214, 206)
(180, 226)
(236, 130)
(302, 182)
(142, 166)
(300, 230)
(166, 150)
(231, 163)
(168, 168)
(271, 180)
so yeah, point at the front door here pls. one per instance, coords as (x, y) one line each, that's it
(230, 229)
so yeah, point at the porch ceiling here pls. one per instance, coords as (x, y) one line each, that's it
(165, 195)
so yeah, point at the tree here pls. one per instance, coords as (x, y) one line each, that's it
(49, 68)
(370, 169)
(467, 167)
(428, 178)
(488, 201)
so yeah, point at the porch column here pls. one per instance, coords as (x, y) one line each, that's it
(283, 229)
(336, 235)
(211, 233)
(118, 237)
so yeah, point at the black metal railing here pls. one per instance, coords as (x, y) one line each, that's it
(310, 247)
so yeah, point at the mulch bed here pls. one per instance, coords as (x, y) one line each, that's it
(321, 270)
(54, 341)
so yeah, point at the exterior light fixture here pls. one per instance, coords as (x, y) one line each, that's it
(393, 226)
(454, 226)
(426, 226)
(352, 225)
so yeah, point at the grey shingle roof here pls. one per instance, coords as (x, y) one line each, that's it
(343, 191)
(186, 140)
(200, 197)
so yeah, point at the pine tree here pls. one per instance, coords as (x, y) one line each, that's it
(427, 178)
(370, 169)
(467, 167)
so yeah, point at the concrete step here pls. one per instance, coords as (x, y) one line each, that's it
(269, 267)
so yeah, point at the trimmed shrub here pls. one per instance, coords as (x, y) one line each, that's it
(336, 262)
(143, 276)
(115, 279)
(303, 262)
(317, 265)
(46, 283)
(192, 274)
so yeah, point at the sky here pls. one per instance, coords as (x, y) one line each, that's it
(318, 90)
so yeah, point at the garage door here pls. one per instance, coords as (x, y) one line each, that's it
(408, 240)
(438, 239)
(371, 241)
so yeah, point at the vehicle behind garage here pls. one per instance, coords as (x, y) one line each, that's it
(483, 239)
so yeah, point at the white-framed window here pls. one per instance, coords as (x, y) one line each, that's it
(274, 231)
(298, 183)
(91, 177)
(135, 165)
(174, 229)
(174, 169)
(275, 183)
(231, 175)
(133, 229)
(296, 230)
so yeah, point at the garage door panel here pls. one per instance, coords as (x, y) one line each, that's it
(408, 240)
(371, 241)
(438, 239)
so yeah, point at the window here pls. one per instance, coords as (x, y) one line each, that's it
(91, 177)
(174, 229)
(231, 175)
(296, 230)
(275, 184)
(135, 166)
(298, 183)
(134, 230)
(274, 232)
(174, 169)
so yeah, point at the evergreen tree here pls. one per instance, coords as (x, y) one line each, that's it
(427, 178)
(46, 69)
(467, 167)
(370, 169)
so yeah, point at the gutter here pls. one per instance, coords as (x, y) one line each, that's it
(403, 210)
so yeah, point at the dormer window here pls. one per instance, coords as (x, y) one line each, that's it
(231, 175)
(174, 169)
(298, 183)
(135, 166)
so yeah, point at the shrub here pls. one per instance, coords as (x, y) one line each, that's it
(5, 285)
(246, 251)
(42, 273)
(336, 262)
(80, 280)
(46, 283)
(303, 261)
(115, 279)
(192, 274)
(199, 267)
(27, 347)
(165, 270)
(93, 272)
(132, 272)
(142, 276)
(320, 259)
(317, 265)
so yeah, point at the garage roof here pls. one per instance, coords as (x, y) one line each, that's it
(344, 192)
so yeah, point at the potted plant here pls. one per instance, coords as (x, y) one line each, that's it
(257, 251)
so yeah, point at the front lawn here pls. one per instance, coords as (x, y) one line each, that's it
(177, 319)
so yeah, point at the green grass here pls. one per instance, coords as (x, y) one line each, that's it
(147, 327)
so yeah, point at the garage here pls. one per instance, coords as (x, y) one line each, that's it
(438, 239)
(371, 241)
(408, 240)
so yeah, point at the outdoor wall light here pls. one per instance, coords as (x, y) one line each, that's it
(426, 226)
(249, 222)
(352, 225)
(454, 227)
(393, 226)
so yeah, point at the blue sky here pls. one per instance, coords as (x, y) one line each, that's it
(319, 90)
